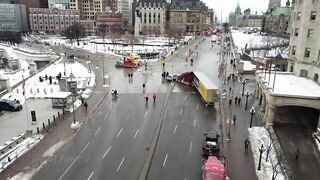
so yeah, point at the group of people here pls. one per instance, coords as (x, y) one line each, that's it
(165, 74)
(237, 100)
(146, 97)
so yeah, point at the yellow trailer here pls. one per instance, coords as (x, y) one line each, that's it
(207, 89)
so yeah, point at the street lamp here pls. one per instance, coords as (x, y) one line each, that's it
(252, 112)
(261, 150)
(247, 95)
(243, 83)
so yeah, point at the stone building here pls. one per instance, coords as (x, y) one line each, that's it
(150, 16)
(13, 17)
(61, 4)
(52, 20)
(236, 17)
(110, 22)
(277, 20)
(255, 21)
(187, 16)
(123, 7)
(299, 87)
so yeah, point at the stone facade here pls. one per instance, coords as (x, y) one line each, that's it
(236, 17)
(52, 20)
(277, 20)
(152, 16)
(304, 54)
(111, 23)
(255, 21)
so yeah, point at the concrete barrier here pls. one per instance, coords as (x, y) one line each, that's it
(13, 144)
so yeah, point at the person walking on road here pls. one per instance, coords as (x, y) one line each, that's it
(246, 144)
(239, 100)
(297, 154)
(234, 118)
(143, 87)
(236, 100)
(85, 106)
(147, 98)
(154, 98)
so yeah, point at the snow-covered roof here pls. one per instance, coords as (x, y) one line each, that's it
(248, 66)
(290, 85)
(205, 80)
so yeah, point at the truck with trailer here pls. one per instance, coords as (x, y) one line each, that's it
(206, 88)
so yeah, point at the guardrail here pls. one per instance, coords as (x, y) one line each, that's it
(15, 141)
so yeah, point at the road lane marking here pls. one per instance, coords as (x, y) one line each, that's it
(197, 106)
(127, 118)
(190, 147)
(194, 123)
(180, 111)
(85, 148)
(165, 160)
(135, 135)
(98, 130)
(90, 175)
(120, 164)
(111, 105)
(119, 132)
(69, 167)
(175, 128)
(106, 116)
(185, 98)
(106, 153)
(145, 114)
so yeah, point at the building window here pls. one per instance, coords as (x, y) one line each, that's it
(303, 73)
(298, 15)
(296, 32)
(310, 32)
(293, 50)
(307, 53)
(313, 15)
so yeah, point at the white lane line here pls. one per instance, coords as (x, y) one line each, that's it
(106, 116)
(145, 114)
(194, 123)
(190, 147)
(175, 129)
(120, 164)
(69, 167)
(97, 131)
(180, 111)
(90, 175)
(119, 132)
(185, 98)
(106, 153)
(127, 118)
(165, 160)
(85, 148)
(111, 105)
(197, 106)
(135, 135)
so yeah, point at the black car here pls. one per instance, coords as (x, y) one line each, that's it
(9, 105)
(211, 146)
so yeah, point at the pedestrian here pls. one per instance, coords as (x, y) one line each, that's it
(154, 98)
(234, 118)
(163, 64)
(85, 106)
(230, 102)
(143, 86)
(239, 100)
(230, 89)
(246, 144)
(147, 98)
(297, 154)
(236, 100)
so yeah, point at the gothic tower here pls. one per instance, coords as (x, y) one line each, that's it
(274, 4)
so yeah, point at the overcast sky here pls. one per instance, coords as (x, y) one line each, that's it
(230, 5)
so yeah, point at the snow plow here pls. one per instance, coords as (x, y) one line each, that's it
(213, 169)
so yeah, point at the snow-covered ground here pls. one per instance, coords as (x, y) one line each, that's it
(255, 40)
(258, 136)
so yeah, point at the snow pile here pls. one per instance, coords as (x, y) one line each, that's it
(19, 150)
(258, 136)
(290, 85)
(248, 66)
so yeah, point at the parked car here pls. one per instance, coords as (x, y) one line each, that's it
(10, 105)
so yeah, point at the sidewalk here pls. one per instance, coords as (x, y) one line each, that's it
(239, 163)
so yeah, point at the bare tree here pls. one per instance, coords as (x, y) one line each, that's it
(74, 32)
(131, 39)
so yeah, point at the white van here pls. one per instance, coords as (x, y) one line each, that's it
(214, 39)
